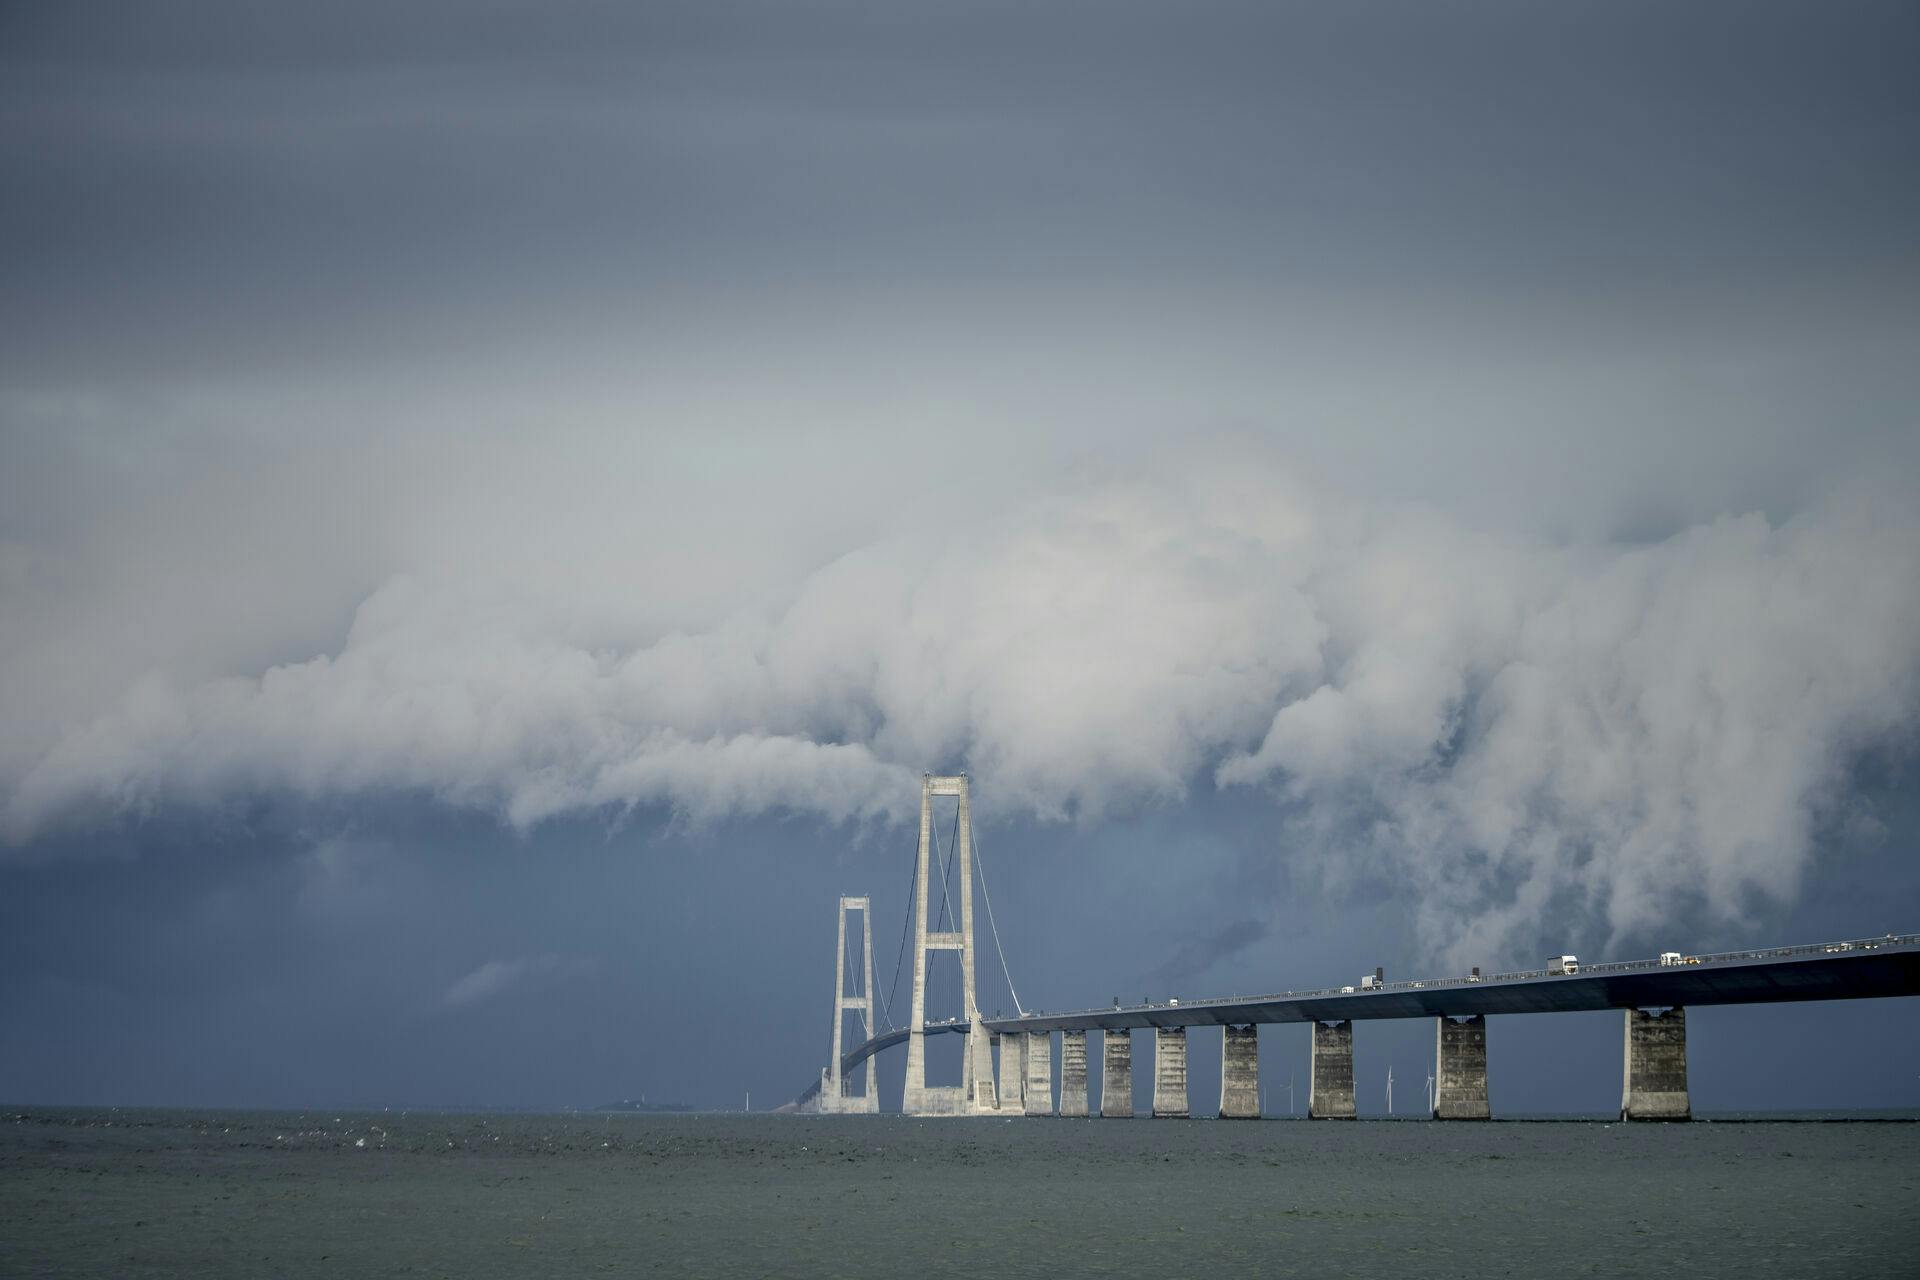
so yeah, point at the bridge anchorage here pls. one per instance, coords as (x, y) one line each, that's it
(1652, 995)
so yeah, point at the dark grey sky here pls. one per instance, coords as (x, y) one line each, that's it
(500, 503)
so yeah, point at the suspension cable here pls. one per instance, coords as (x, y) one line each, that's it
(906, 926)
(980, 870)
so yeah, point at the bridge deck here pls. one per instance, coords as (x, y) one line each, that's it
(1888, 966)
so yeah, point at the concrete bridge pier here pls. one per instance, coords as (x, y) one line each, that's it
(1460, 1069)
(1330, 1081)
(1240, 1073)
(1116, 1074)
(1013, 1071)
(1170, 1073)
(981, 1091)
(1039, 1073)
(1654, 1083)
(1073, 1073)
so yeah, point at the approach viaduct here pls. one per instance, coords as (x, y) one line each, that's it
(1007, 1066)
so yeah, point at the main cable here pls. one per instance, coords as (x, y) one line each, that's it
(980, 868)
(906, 927)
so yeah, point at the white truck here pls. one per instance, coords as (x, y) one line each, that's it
(1670, 958)
(1378, 978)
(1563, 964)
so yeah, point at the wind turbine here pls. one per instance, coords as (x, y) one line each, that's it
(1429, 1093)
(1389, 1088)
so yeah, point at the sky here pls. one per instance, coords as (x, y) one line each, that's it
(501, 503)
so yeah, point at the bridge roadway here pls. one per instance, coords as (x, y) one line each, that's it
(1862, 969)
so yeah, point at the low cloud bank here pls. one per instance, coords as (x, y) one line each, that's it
(1507, 727)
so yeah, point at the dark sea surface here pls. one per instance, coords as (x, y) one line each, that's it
(252, 1193)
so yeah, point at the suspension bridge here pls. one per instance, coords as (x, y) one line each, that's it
(1007, 1064)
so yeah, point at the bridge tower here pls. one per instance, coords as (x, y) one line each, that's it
(975, 1093)
(834, 1094)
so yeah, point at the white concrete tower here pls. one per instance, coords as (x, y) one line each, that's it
(975, 1093)
(834, 1095)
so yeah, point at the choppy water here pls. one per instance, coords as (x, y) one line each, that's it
(132, 1193)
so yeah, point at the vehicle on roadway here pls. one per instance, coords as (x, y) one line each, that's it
(1563, 964)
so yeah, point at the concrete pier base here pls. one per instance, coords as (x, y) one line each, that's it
(1039, 1073)
(967, 1090)
(1330, 1079)
(1654, 1079)
(1013, 1072)
(1240, 1073)
(935, 1100)
(1170, 1073)
(1116, 1075)
(985, 1094)
(1460, 1069)
(1073, 1073)
(836, 1100)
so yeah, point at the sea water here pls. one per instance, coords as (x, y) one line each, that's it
(139, 1193)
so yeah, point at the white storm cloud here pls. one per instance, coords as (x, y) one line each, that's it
(1508, 726)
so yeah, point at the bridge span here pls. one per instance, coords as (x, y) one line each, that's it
(1008, 1063)
(1888, 966)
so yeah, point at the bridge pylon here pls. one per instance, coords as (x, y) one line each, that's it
(975, 1094)
(836, 1095)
